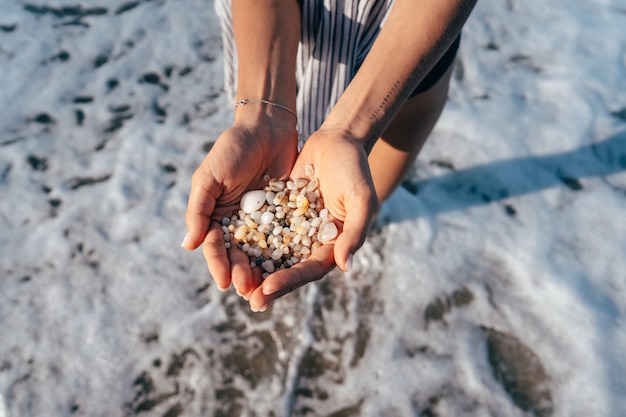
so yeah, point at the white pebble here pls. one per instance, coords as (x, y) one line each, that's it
(279, 198)
(265, 228)
(241, 231)
(327, 232)
(267, 218)
(256, 216)
(252, 201)
(268, 266)
(301, 182)
(300, 211)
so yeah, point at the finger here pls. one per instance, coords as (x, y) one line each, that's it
(355, 226)
(287, 280)
(241, 271)
(200, 207)
(257, 280)
(216, 257)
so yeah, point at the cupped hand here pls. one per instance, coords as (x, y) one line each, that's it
(236, 163)
(341, 167)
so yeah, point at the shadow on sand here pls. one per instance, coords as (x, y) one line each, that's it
(501, 180)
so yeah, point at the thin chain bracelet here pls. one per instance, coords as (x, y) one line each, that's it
(271, 103)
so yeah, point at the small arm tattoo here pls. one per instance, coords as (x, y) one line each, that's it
(386, 99)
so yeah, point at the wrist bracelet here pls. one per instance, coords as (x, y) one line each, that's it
(279, 106)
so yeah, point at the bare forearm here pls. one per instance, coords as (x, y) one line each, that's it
(266, 34)
(415, 36)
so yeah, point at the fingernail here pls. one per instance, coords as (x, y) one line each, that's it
(268, 291)
(185, 240)
(349, 262)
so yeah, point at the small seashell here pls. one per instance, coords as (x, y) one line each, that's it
(276, 185)
(308, 170)
(252, 201)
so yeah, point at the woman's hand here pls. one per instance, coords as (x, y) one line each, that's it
(239, 159)
(340, 165)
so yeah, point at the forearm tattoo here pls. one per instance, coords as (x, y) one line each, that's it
(386, 99)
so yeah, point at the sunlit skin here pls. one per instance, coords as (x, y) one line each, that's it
(360, 153)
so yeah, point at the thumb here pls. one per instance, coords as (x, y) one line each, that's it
(199, 210)
(358, 217)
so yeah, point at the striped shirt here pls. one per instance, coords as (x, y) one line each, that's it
(335, 38)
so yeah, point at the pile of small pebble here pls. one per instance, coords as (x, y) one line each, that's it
(281, 225)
